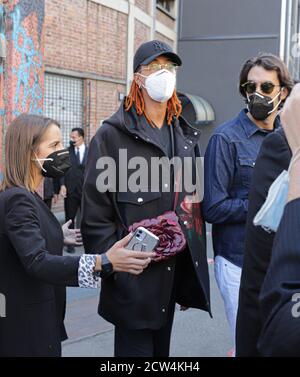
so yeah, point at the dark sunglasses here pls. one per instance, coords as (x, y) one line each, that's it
(266, 87)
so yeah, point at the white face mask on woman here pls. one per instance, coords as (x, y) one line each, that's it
(160, 85)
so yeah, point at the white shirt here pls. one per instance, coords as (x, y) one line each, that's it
(81, 152)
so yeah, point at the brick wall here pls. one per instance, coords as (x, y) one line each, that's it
(142, 34)
(85, 36)
(165, 19)
(88, 38)
(103, 98)
(163, 38)
(145, 5)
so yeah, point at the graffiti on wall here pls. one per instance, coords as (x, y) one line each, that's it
(2, 37)
(27, 57)
(28, 91)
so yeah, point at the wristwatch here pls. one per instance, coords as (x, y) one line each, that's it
(106, 267)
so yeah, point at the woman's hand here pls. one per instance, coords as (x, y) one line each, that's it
(72, 237)
(125, 260)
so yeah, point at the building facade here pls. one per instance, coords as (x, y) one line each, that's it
(89, 48)
(72, 59)
(216, 37)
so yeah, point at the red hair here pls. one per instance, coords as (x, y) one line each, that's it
(135, 97)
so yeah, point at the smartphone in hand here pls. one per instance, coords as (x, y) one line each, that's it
(142, 240)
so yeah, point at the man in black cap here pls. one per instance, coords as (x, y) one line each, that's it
(151, 50)
(147, 125)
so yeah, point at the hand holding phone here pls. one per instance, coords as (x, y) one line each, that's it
(142, 240)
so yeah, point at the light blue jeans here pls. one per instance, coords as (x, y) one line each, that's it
(228, 277)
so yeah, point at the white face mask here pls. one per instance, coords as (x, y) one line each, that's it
(160, 85)
(270, 214)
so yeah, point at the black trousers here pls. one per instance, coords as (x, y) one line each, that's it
(72, 204)
(145, 343)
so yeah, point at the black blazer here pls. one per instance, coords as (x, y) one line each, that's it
(273, 158)
(73, 179)
(32, 276)
(280, 308)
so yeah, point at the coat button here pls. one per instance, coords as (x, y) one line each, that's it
(196, 263)
(253, 163)
(163, 310)
(195, 133)
(140, 200)
(185, 147)
(136, 137)
(169, 268)
(190, 141)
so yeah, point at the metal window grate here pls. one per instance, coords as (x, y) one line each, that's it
(63, 102)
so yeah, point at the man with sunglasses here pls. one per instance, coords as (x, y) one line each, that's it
(229, 163)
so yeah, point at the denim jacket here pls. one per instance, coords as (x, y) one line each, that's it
(228, 165)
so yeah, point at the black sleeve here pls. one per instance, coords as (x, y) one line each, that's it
(281, 290)
(98, 223)
(23, 230)
(273, 158)
(57, 183)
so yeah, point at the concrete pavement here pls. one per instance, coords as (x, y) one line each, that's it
(194, 332)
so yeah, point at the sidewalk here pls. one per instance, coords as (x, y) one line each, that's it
(194, 332)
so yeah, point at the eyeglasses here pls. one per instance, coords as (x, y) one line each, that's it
(266, 87)
(154, 67)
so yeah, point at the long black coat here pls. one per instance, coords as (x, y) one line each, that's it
(138, 302)
(279, 296)
(32, 276)
(274, 157)
(73, 179)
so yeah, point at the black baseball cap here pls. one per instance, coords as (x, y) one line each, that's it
(149, 51)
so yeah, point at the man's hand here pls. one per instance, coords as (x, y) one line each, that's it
(63, 191)
(290, 118)
(72, 237)
(125, 260)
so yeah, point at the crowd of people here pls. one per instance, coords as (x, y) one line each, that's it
(256, 268)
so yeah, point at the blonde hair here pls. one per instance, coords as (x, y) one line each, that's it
(22, 138)
(135, 97)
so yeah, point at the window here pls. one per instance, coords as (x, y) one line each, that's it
(63, 102)
(167, 5)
